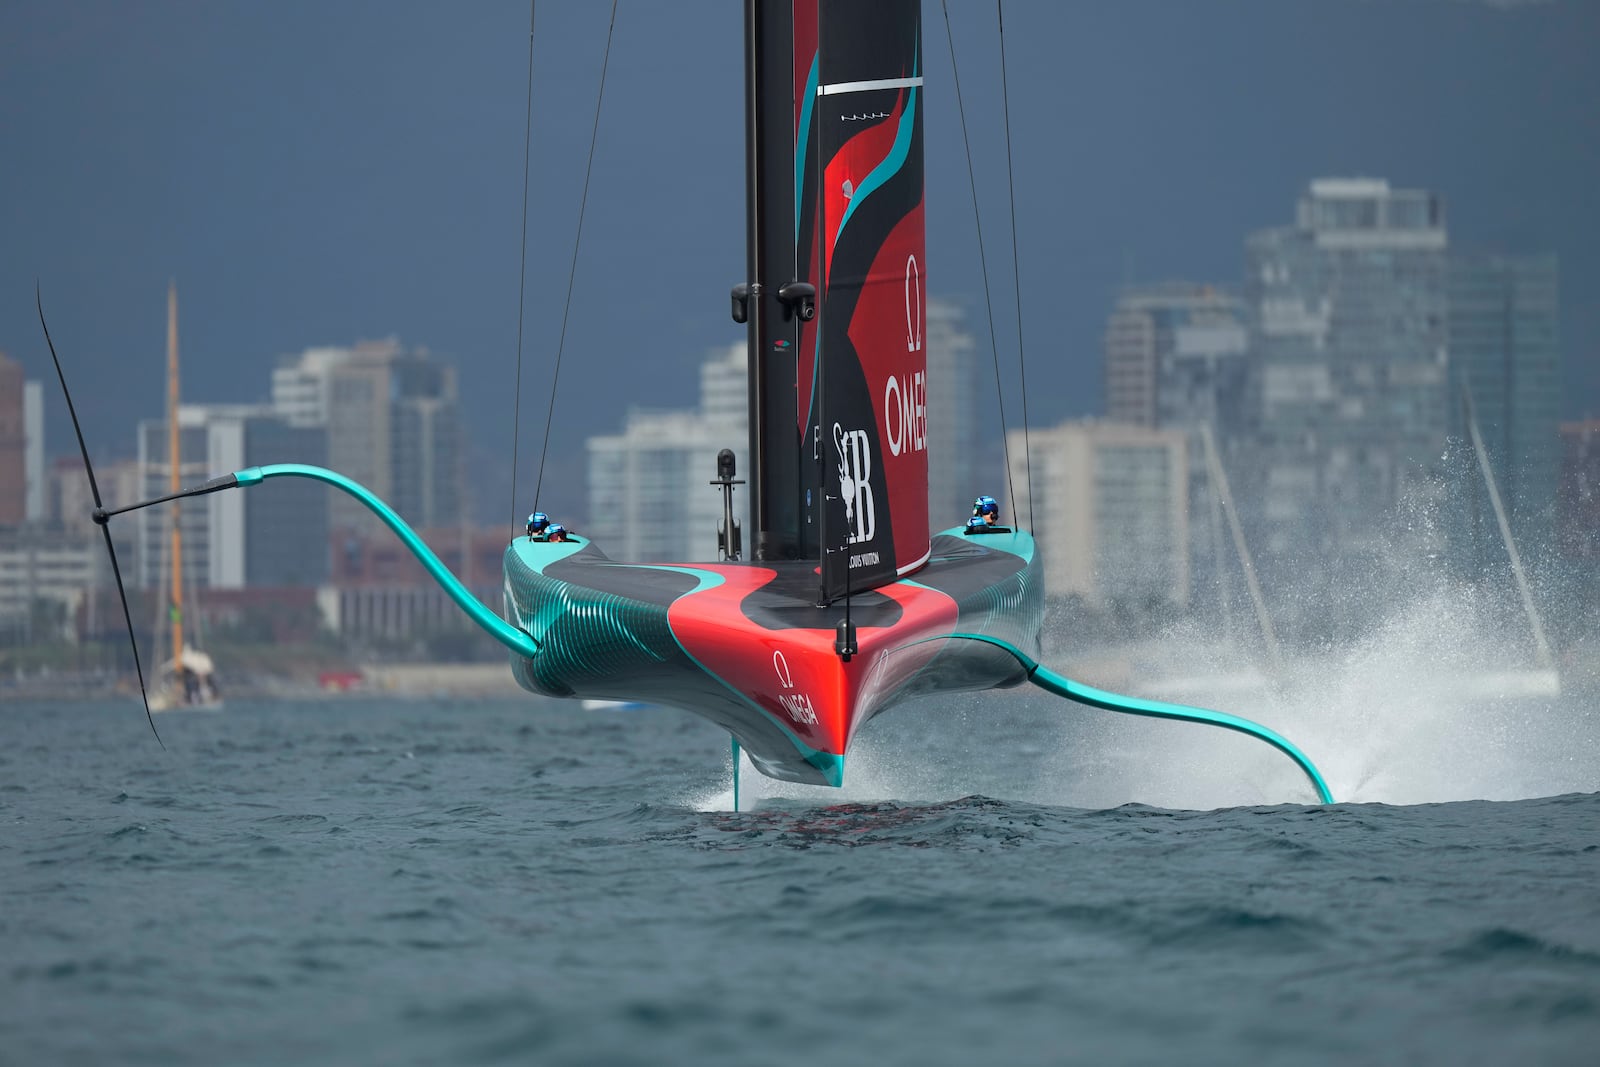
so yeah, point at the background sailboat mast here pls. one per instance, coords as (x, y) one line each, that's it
(175, 611)
(774, 330)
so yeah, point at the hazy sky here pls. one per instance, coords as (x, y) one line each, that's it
(316, 173)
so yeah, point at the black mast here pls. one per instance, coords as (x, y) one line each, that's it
(772, 301)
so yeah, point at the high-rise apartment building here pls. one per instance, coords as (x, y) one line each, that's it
(154, 523)
(44, 576)
(1348, 412)
(33, 509)
(1578, 518)
(1505, 351)
(649, 491)
(1579, 514)
(393, 423)
(1176, 358)
(1111, 511)
(13, 444)
(70, 503)
(954, 417)
(275, 534)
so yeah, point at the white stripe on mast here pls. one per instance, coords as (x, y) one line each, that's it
(868, 86)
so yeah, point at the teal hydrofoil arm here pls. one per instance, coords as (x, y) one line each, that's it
(519, 641)
(1061, 685)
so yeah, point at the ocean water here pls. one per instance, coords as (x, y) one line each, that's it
(1004, 880)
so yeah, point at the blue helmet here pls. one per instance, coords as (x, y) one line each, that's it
(976, 520)
(986, 505)
(555, 530)
(538, 522)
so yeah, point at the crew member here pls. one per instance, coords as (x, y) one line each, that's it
(987, 509)
(538, 524)
(555, 532)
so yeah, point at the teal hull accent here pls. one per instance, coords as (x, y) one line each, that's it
(626, 634)
(744, 645)
(1061, 685)
(515, 639)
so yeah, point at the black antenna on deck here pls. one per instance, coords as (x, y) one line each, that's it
(101, 516)
(844, 640)
(730, 544)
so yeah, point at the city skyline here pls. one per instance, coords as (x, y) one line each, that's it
(381, 194)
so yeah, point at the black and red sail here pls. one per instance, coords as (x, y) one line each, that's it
(869, 419)
(835, 179)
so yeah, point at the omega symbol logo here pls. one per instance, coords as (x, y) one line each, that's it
(913, 305)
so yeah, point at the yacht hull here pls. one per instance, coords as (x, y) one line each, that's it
(745, 646)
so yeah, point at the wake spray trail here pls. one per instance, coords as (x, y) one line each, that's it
(1433, 704)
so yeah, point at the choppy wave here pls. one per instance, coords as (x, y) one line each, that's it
(530, 883)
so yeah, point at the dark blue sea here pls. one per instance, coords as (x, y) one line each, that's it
(1004, 880)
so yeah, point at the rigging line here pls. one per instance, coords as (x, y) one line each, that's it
(577, 240)
(1016, 270)
(983, 262)
(522, 277)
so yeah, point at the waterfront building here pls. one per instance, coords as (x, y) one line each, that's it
(45, 574)
(152, 556)
(1177, 358)
(649, 492)
(392, 420)
(955, 426)
(1348, 415)
(1579, 511)
(33, 509)
(1578, 521)
(69, 502)
(272, 535)
(378, 591)
(1110, 505)
(13, 443)
(1505, 350)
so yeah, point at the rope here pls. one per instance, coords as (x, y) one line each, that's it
(572, 270)
(983, 262)
(522, 278)
(1016, 270)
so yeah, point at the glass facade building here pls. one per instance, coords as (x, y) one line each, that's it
(954, 416)
(393, 423)
(650, 497)
(1110, 503)
(1505, 353)
(271, 535)
(1176, 359)
(1348, 412)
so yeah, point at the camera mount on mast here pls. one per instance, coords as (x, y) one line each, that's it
(730, 540)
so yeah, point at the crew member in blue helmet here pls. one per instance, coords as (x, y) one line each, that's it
(538, 524)
(555, 532)
(975, 526)
(987, 509)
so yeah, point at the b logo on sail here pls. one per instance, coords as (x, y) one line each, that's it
(855, 488)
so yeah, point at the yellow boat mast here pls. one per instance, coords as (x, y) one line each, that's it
(176, 612)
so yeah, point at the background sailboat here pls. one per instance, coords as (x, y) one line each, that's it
(187, 676)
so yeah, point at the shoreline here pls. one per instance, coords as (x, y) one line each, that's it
(406, 681)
